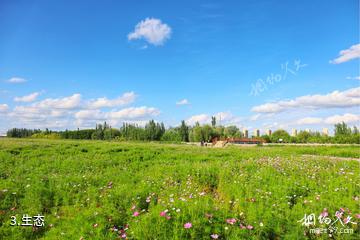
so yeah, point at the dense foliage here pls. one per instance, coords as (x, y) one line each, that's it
(154, 131)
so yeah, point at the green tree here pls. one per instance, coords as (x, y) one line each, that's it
(280, 136)
(184, 131)
(213, 121)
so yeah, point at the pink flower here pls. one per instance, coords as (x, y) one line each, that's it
(168, 217)
(95, 225)
(136, 214)
(249, 227)
(187, 225)
(242, 226)
(163, 214)
(133, 207)
(231, 221)
(357, 215)
(214, 236)
(324, 213)
(123, 235)
(338, 214)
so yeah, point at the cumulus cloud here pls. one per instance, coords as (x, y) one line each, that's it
(28, 98)
(223, 118)
(73, 111)
(134, 113)
(183, 102)
(348, 118)
(200, 118)
(348, 54)
(353, 78)
(336, 99)
(309, 120)
(152, 30)
(3, 107)
(125, 99)
(16, 80)
(71, 102)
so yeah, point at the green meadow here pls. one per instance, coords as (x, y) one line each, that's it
(112, 190)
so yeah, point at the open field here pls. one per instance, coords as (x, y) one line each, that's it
(109, 190)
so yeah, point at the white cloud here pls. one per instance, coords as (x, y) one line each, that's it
(16, 80)
(125, 99)
(336, 99)
(331, 120)
(73, 112)
(28, 98)
(347, 54)
(201, 118)
(222, 118)
(4, 107)
(89, 115)
(183, 102)
(347, 118)
(134, 113)
(152, 30)
(70, 102)
(309, 120)
(353, 78)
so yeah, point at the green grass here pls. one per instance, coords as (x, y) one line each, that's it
(77, 184)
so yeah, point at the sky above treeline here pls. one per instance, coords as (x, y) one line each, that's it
(254, 64)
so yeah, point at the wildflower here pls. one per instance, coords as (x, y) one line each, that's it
(168, 217)
(242, 226)
(231, 221)
(214, 236)
(261, 224)
(123, 235)
(357, 215)
(178, 210)
(95, 225)
(135, 214)
(133, 207)
(187, 225)
(163, 214)
(324, 213)
(148, 200)
(249, 227)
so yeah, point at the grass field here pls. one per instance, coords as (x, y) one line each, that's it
(109, 190)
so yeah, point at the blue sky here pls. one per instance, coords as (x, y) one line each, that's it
(69, 64)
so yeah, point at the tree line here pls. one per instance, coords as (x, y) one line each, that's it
(155, 131)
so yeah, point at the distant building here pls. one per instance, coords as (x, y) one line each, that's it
(268, 132)
(256, 133)
(293, 132)
(245, 133)
(325, 131)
